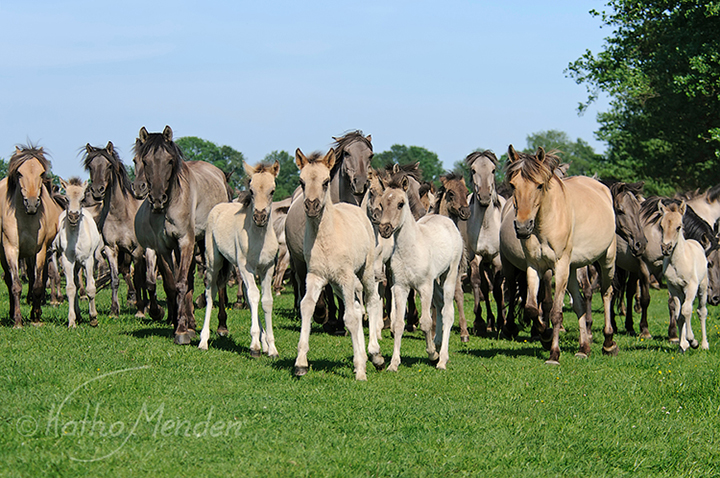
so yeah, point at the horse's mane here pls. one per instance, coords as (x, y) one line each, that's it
(24, 153)
(470, 158)
(75, 181)
(345, 140)
(695, 227)
(711, 195)
(156, 142)
(533, 170)
(396, 173)
(120, 175)
(649, 208)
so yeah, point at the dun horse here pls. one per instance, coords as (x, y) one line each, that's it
(426, 256)
(173, 216)
(338, 249)
(562, 225)
(77, 243)
(241, 233)
(685, 269)
(29, 215)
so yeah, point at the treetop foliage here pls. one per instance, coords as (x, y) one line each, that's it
(661, 70)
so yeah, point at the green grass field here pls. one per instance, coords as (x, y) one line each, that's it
(123, 400)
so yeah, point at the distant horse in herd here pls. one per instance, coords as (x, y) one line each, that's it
(365, 236)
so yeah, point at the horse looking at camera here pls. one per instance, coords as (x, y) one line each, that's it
(29, 214)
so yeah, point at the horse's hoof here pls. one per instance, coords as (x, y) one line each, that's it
(17, 326)
(581, 355)
(300, 371)
(552, 362)
(191, 333)
(646, 335)
(93, 322)
(157, 314)
(694, 344)
(274, 355)
(546, 343)
(182, 339)
(139, 314)
(222, 332)
(378, 361)
(255, 353)
(464, 339)
(674, 340)
(612, 350)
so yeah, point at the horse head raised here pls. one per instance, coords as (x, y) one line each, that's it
(261, 190)
(75, 192)
(315, 179)
(482, 165)
(158, 164)
(529, 177)
(27, 171)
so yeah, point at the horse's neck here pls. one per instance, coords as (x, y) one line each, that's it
(554, 210)
(341, 189)
(323, 222)
(709, 211)
(407, 234)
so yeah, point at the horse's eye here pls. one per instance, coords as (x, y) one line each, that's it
(302, 184)
(539, 186)
(678, 228)
(401, 204)
(272, 192)
(325, 183)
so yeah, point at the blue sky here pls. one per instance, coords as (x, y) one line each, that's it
(259, 76)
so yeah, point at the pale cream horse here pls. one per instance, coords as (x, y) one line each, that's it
(685, 269)
(426, 256)
(339, 249)
(77, 243)
(562, 225)
(241, 233)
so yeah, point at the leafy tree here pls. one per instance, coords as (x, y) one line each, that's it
(430, 164)
(224, 157)
(3, 168)
(661, 70)
(288, 177)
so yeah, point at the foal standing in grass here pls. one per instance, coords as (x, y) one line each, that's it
(685, 270)
(242, 233)
(77, 242)
(426, 256)
(339, 249)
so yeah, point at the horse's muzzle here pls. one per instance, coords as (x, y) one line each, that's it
(666, 249)
(73, 217)
(140, 190)
(483, 199)
(464, 213)
(523, 230)
(638, 247)
(261, 218)
(158, 204)
(386, 230)
(312, 207)
(31, 205)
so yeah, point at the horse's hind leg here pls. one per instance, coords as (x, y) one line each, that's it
(397, 322)
(446, 318)
(479, 325)
(352, 318)
(9, 260)
(426, 323)
(71, 290)
(702, 312)
(112, 259)
(91, 291)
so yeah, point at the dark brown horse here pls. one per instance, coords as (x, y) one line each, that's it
(111, 186)
(29, 217)
(173, 217)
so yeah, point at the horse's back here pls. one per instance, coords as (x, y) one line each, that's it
(443, 236)
(210, 189)
(593, 218)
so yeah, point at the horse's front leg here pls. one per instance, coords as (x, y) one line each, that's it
(185, 250)
(397, 322)
(459, 297)
(532, 311)
(314, 285)
(70, 290)
(426, 322)
(352, 317)
(10, 265)
(562, 274)
(91, 289)
(686, 312)
(267, 275)
(38, 280)
(112, 258)
(253, 298)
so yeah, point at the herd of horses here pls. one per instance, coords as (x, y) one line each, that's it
(370, 238)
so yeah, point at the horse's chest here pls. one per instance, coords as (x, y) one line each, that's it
(539, 253)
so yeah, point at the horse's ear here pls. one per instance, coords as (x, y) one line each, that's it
(110, 148)
(705, 242)
(167, 134)
(249, 170)
(300, 159)
(405, 183)
(661, 207)
(512, 154)
(396, 168)
(88, 148)
(369, 138)
(143, 135)
(330, 159)
(63, 184)
(275, 168)
(17, 150)
(540, 154)
(683, 208)
(443, 180)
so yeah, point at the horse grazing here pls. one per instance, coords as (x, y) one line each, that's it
(242, 234)
(685, 270)
(111, 188)
(426, 257)
(29, 214)
(562, 225)
(482, 236)
(452, 201)
(173, 217)
(77, 243)
(338, 249)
